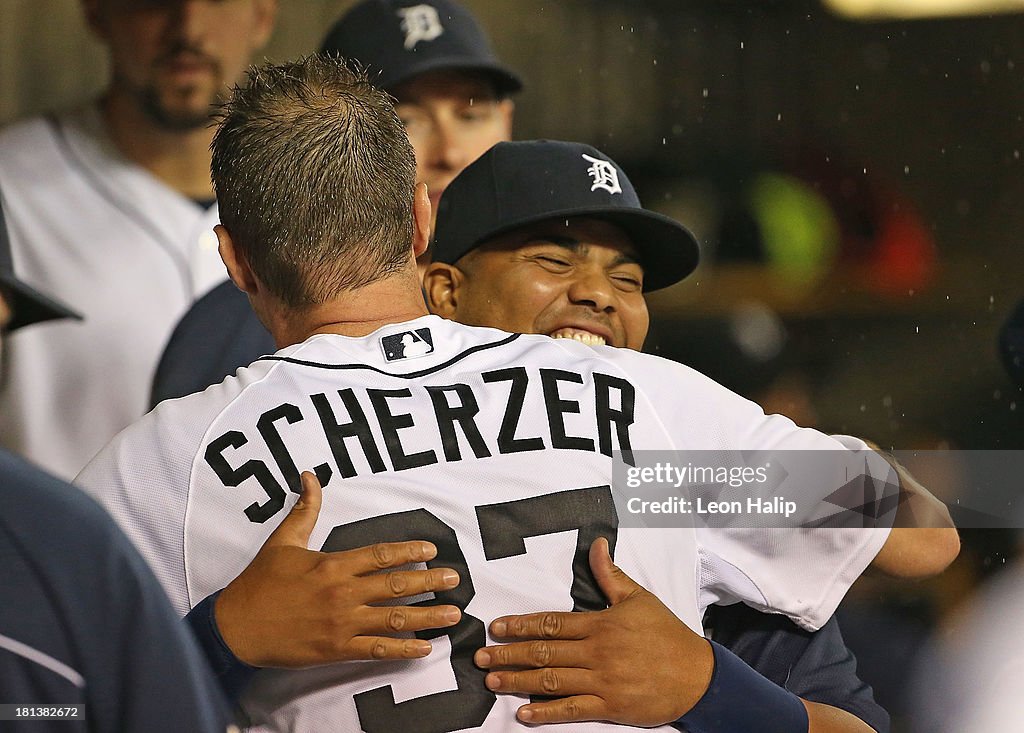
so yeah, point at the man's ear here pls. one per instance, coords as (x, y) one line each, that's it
(441, 284)
(234, 260)
(420, 220)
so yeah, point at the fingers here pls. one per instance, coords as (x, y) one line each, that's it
(564, 710)
(615, 584)
(298, 525)
(404, 583)
(534, 655)
(381, 647)
(552, 681)
(547, 625)
(382, 556)
(375, 620)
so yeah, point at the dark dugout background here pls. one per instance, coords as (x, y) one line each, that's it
(857, 188)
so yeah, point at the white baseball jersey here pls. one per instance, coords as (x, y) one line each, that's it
(497, 448)
(119, 246)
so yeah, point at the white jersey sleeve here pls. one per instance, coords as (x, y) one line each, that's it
(803, 573)
(142, 479)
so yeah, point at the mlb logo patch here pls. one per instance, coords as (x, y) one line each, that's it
(407, 344)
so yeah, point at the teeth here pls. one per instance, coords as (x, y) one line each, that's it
(584, 337)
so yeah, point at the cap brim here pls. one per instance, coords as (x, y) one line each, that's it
(667, 250)
(30, 306)
(505, 81)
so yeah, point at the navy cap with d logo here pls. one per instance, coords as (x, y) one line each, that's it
(519, 183)
(398, 39)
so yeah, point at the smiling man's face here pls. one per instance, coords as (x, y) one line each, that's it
(579, 280)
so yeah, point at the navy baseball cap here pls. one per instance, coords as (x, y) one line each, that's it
(27, 304)
(396, 40)
(518, 183)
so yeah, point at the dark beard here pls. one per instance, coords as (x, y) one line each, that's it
(169, 120)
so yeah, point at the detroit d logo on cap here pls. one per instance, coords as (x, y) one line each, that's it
(420, 23)
(604, 175)
(407, 344)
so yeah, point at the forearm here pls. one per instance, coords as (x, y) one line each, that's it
(827, 719)
(232, 673)
(816, 666)
(924, 540)
(740, 699)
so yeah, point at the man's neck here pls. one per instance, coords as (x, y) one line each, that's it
(357, 313)
(179, 158)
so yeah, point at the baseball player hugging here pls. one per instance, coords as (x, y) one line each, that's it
(497, 448)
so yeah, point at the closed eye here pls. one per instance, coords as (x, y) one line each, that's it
(628, 282)
(475, 114)
(478, 110)
(558, 261)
